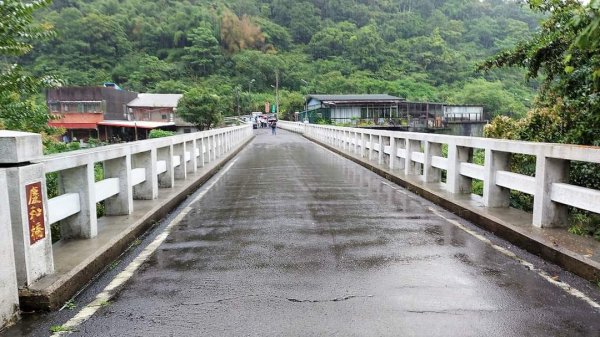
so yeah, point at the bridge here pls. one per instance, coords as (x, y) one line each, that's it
(287, 235)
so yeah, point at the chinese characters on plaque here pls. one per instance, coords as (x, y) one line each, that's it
(35, 212)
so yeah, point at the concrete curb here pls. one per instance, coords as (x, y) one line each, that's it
(53, 296)
(571, 261)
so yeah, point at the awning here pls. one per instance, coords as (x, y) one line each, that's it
(136, 124)
(73, 125)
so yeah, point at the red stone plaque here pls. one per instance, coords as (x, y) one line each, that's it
(35, 212)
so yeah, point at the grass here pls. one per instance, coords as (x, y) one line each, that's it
(60, 328)
(105, 303)
(70, 304)
(114, 264)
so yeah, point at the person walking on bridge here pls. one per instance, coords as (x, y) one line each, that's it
(274, 127)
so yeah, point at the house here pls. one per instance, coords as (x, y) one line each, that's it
(346, 108)
(393, 112)
(80, 109)
(109, 113)
(159, 108)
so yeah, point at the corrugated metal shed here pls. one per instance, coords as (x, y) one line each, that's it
(356, 98)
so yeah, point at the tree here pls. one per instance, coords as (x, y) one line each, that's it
(568, 59)
(332, 41)
(201, 108)
(239, 34)
(367, 48)
(567, 52)
(204, 55)
(18, 107)
(150, 72)
(495, 99)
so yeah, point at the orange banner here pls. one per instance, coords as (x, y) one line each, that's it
(35, 212)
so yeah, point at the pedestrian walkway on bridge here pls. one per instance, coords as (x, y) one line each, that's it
(291, 239)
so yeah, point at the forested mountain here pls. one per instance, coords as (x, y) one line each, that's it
(417, 49)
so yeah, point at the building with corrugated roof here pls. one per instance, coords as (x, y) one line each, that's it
(159, 108)
(344, 108)
(384, 110)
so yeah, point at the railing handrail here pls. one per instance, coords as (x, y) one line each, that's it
(56, 162)
(132, 171)
(583, 153)
(420, 155)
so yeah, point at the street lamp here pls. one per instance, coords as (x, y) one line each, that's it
(276, 100)
(305, 100)
(250, 95)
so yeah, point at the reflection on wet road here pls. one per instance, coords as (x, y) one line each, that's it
(296, 241)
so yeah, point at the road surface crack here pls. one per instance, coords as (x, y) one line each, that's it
(337, 299)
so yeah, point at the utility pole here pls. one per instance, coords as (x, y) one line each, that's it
(250, 96)
(277, 94)
(305, 99)
(237, 94)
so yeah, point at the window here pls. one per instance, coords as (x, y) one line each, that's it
(164, 116)
(187, 130)
(54, 107)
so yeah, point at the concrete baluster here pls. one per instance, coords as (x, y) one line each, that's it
(371, 146)
(79, 180)
(381, 150)
(225, 142)
(202, 160)
(411, 167)
(494, 195)
(455, 182)
(167, 178)
(432, 174)
(363, 145)
(122, 203)
(547, 213)
(222, 144)
(400, 162)
(393, 153)
(179, 151)
(9, 293)
(148, 190)
(355, 142)
(192, 165)
(31, 239)
(209, 149)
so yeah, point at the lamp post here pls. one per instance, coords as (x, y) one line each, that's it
(250, 95)
(276, 94)
(305, 100)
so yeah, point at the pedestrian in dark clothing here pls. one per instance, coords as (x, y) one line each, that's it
(274, 127)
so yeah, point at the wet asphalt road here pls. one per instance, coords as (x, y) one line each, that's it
(296, 241)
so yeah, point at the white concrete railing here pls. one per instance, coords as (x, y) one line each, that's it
(420, 154)
(9, 298)
(133, 170)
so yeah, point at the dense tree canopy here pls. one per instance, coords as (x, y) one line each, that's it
(418, 49)
(19, 109)
(201, 108)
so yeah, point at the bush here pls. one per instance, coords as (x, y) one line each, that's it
(158, 133)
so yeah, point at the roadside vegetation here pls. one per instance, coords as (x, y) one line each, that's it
(534, 65)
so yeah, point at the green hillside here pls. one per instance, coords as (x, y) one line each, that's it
(417, 49)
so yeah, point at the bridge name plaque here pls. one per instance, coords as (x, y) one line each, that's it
(35, 212)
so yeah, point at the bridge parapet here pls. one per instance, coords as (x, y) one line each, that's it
(420, 155)
(136, 170)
